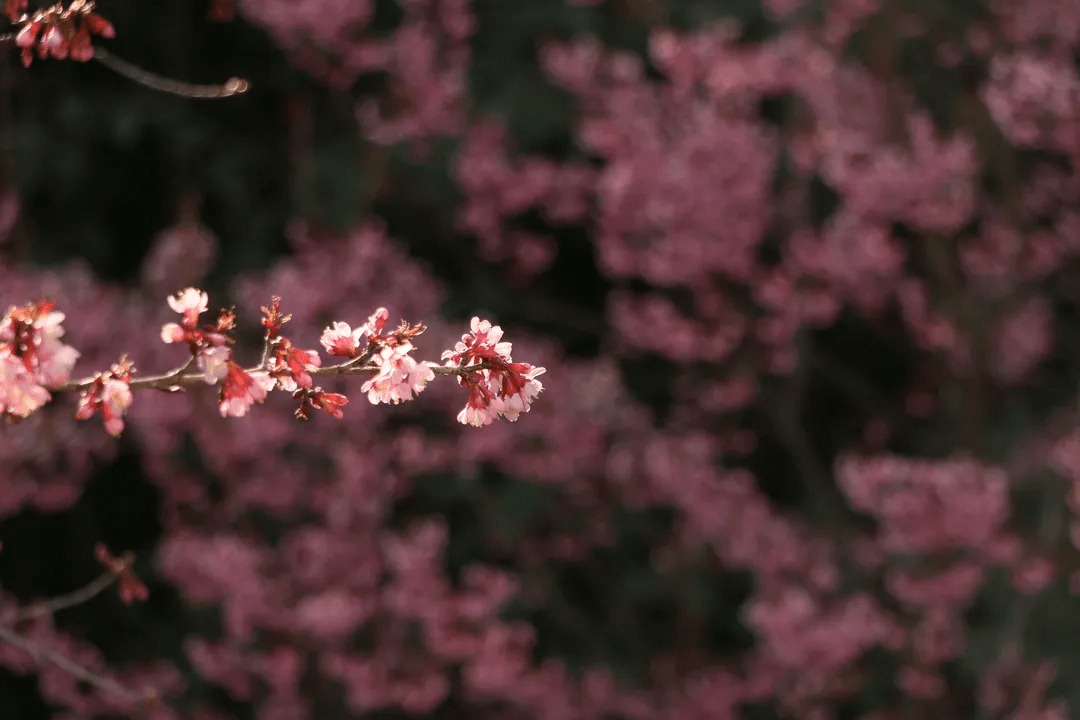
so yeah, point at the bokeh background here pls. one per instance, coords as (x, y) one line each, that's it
(804, 276)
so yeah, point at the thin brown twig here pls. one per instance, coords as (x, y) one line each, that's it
(61, 602)
(180, 378)
(64, 663)
(232, 86)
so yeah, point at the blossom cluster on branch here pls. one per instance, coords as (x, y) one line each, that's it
(58, 32)
(36, 363)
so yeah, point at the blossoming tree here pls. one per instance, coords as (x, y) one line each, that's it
(806, 272)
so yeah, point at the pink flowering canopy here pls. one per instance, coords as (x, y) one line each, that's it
(714, 360)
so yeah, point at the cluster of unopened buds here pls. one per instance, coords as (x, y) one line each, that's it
(57, 31)
(34, 363)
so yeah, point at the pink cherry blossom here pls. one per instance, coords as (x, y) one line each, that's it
(33, 356)
(214, 363)
(291, 366)
(240, 389)
(55, 362)
(500, 386)
(400, 377)
(481, 342)
(190, 303)
(172, 333)
(479, 410)
(520, 388)
(189, 300)
(331, 403)
(20, 393)
(341, 340)
(116, 398)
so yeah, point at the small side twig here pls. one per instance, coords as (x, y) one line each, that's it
(88, 676)
(232, 86)
(61, 602)
(117, 570)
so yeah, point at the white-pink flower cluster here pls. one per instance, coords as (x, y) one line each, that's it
(33, 360)
(241, 389)
(211, 353)
(20, 393)
(32, 357)
(213, 362)
(213, 356)
(341, 340)
(110, 395)
(115, 400)
(499, 386)
(400, 376)
(191, 303)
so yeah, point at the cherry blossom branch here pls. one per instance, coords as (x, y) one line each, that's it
(232, 86)
(80, 672)
(178, 379)
(61, 602)
(118, 569)
(34, 363)
(65, 32)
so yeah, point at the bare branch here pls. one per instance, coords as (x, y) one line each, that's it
(181, 378)
(232, 86)
(80, 672)
(62, 602)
